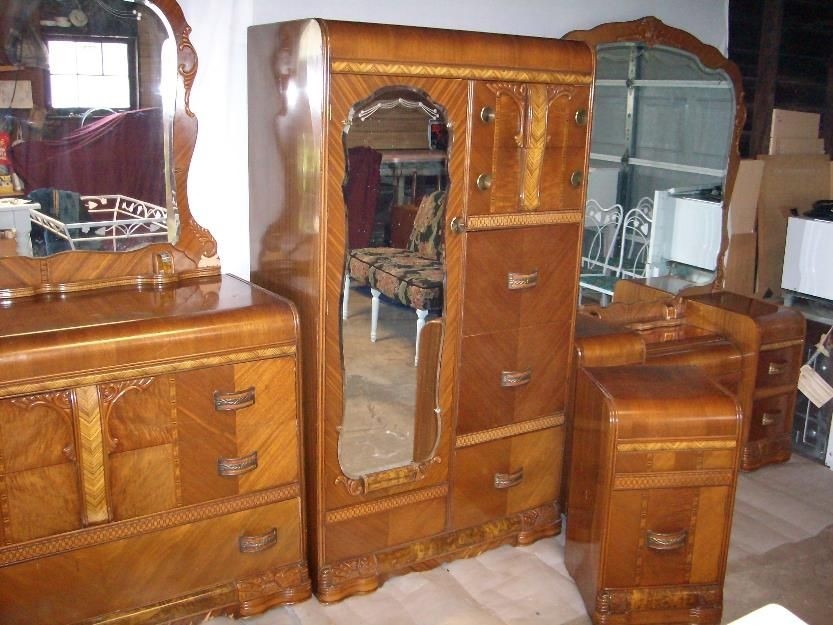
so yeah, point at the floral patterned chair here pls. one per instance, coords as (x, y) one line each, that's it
(412, 276)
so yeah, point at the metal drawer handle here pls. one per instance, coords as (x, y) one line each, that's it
(229, 467)
(581, 117)
(666, 541)
(487, 114)
(770, 417)
(253, 544)
(484, 182)
(508, 480)
(234, 400)
(509, 379)
(516, 281)
(576, 178)
(457, 225)
(777, 367)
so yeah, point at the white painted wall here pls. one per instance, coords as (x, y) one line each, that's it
(218, 181)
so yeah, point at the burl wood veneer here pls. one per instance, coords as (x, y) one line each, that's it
(517, 111)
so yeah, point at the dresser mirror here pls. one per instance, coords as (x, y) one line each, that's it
(395, 144)
(667, 115)
(103, 182)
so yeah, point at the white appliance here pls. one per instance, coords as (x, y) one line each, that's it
(687, 229)
(808, 257)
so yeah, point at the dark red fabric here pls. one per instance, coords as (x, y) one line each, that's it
(360, 194)
(118, 154)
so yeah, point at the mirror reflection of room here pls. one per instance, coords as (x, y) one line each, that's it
(395, 184)
(660, 143)
(85, 118)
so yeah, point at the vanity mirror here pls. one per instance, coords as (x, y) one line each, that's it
(103, 181)
(667, 116)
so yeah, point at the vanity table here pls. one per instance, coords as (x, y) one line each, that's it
(150, 466)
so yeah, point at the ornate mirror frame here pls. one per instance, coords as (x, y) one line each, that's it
(195, 252)
(653, 32)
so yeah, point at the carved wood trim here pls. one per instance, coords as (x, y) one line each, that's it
(90, 436)
(155, 368)
(676, 479)
(507, 431)
(522, 220)
(388, 503)
(130, 528)
(61, 402)
(288, 584)
(698, 445)
(110, 393)
(682, 597)
(459, 71)
(381, 480)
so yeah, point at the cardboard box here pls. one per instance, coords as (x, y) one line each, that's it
(743, 205)
(796, 145)
(739, 269)
(795, 124)
(789, 182)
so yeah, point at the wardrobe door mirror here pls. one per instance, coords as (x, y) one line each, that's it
(395, 145)
(88, 128)
(664, 148)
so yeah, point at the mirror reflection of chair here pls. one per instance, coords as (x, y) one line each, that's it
(602, 226)
(412, 276)
(635, 243)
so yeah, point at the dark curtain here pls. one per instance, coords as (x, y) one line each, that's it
(121, 154)
(360, 194)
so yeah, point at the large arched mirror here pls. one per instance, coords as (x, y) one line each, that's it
(667, 114)
(99, 137)
(395, 143)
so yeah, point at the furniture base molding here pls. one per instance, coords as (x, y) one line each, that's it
(669, 605)
(367, 572)
(280, 586)
(766, 451)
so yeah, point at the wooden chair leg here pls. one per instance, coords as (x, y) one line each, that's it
(374, 313)
(421, 315)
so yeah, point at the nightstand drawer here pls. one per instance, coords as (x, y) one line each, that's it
(778, 367)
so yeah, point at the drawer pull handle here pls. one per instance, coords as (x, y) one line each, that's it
(769, 418)
(581, 117)
(666, 541)
(576, 178)
(457, 225)
(517, 281)
(262, 542)
(234, 400)
(777, 367)
(487, 114)
(484, 182)
(509, 379)
(229, 467)
(508, 480)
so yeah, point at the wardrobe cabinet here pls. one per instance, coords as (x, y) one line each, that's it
(488, 420)
(145, 478)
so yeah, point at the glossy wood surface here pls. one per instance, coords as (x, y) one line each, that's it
(652, 494)
(195, 250)
(364, 530)
(144, 434)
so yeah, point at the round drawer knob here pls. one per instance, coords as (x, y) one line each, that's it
(581, 117)
(576, 178)
(487, 114)
(484, 181)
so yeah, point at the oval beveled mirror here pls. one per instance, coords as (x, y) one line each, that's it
(100, 139)
(664, 152)
(396, 144)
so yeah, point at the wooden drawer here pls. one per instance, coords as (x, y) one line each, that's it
(518, 277)
(511, 376)
(73, 581)
(506, 476)
(778, 367)
(667, 536)
(771, 417)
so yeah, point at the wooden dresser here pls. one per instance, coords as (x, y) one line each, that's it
(652, 487)
(485, 466)
(149, 455)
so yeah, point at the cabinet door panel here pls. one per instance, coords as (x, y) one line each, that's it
(497, 264)
(667, 536)
(41, 502)
(506, 476)
(511, 376)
